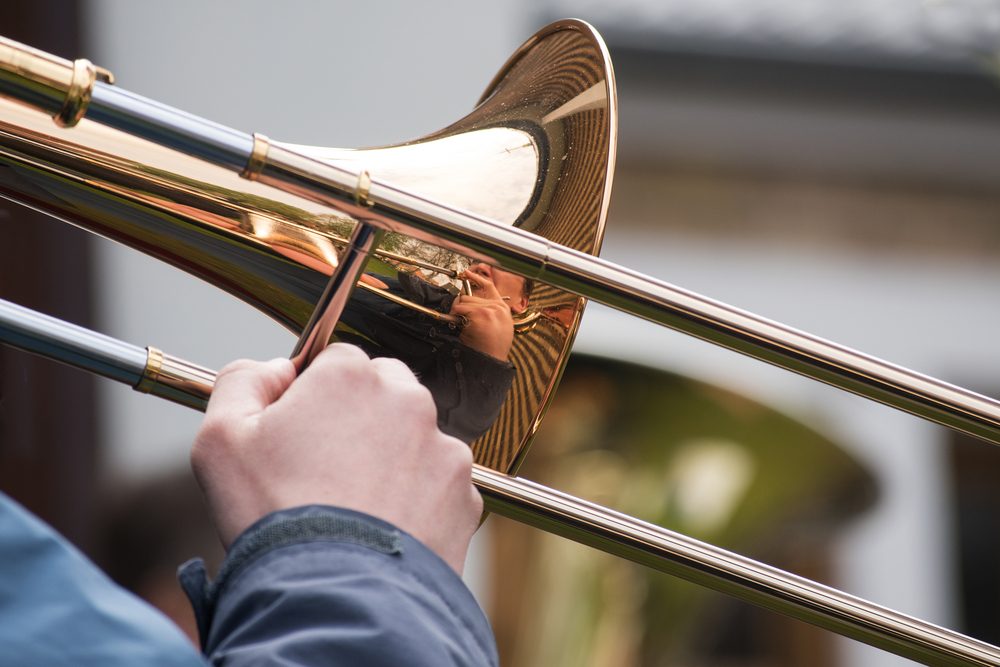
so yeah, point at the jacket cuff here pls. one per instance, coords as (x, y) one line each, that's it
(308, 583)
(279, 529)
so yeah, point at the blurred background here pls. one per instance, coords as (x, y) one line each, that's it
(830, 165)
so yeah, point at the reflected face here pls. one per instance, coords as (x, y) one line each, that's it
(509, 285)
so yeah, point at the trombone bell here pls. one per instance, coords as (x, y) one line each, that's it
(537, 153)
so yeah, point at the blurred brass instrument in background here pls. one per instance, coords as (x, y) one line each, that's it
(522, 184)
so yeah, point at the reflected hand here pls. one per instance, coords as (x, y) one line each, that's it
(490, 327)
(369, 279)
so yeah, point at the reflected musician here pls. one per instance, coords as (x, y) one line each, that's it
(465, 366)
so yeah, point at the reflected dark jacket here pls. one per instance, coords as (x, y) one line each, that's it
(469, 387)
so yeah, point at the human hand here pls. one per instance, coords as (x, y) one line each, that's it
(270, 441)
(369, 279)
(490, 325)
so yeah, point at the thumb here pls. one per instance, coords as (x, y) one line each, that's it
(245, 387)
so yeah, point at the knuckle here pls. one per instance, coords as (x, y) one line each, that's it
(410, 390)
(476, 502)
(237, 366)
(413, 406)
(394, 368)
(214, 432)
(213, 438)
(211, 429)
(339, 354)
(418, 398)
(341, 362)
(460, 459)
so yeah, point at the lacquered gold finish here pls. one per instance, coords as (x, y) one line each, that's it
(151, 374)
(35, 65)
(175, 379)
(78, 95)
(559, 513)
(332, 303)
(58, 86)
(363, 189)
(536, 153)
(258, 157)
(105, 75)
(423, 310)
(181, 380)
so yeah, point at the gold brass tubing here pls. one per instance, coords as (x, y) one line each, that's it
(340, 241)
(175, 379)
(183, 382)
(151, 374)
(565, 515)
(413, 261)
(55, 85)
(522, 324)
(346, 275)
(258, 157)
(724, 571)
(105, 75)
(526, 322)
(363, 189)
(81, 86)
(670, 552)
(34, 65)
(424, 310)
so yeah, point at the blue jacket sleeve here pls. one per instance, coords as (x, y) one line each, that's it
(57, 609)
(321, 585)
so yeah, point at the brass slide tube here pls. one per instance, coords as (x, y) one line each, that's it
(547, 509)
(392, 209)
(643, 296)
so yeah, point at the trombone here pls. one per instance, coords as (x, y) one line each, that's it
(254, 215)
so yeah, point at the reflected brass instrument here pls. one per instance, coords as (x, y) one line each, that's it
(522, 184)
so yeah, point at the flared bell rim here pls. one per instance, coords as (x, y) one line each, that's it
(610, 91)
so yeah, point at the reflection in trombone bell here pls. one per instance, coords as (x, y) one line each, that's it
(464, 364)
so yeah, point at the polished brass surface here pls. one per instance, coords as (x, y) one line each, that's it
(81, 86)
(319, 329)
(151, 374)
(258, 157)
(423, 310)
(537, 153)
(363, 190)
(55, 85)
(175, 379)
(183, 382)
(554, 511)
(105, 75)
(522, 323)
